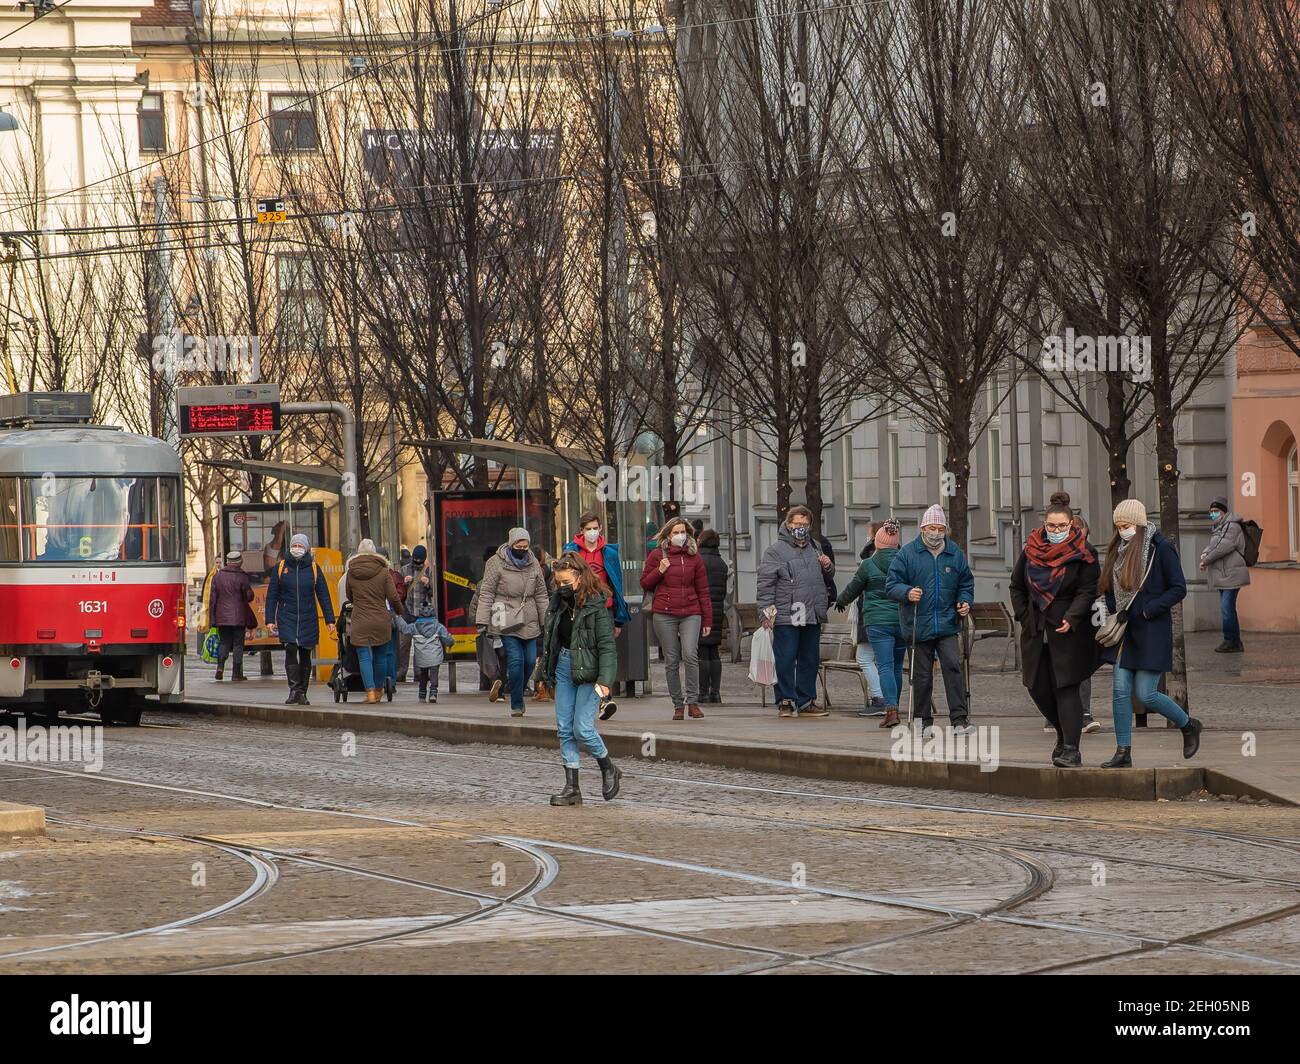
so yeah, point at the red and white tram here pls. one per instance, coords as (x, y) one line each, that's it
(92, 570)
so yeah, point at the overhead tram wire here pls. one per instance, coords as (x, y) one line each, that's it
(318, 93)
(35, 18)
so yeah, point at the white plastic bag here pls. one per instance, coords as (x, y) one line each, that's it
(762, 660)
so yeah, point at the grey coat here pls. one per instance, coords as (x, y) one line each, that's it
(790, 574)
(508, 587)
(1225, 564)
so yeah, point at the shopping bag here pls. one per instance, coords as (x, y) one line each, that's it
(211, 645)
(487, 658)
(762, 660)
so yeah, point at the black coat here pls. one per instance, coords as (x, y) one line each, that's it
(1074, 653)
(1148, 643)
(715, 569)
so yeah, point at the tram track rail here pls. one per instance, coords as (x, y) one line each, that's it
(1032, 889)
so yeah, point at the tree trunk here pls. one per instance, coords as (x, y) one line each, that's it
(1167, 457)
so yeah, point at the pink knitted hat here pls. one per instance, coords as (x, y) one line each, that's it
(887, 535)
(934, 516)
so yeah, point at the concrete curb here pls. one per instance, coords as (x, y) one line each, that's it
(1010, 780)
(21, 819)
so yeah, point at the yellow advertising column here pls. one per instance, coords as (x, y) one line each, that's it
(327, 650)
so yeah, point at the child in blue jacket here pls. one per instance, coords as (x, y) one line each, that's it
(430, 642)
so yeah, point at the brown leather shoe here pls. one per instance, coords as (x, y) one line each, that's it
(695, 711)
(678, 713)
(543, 693)
(372, 696)
(891, 718)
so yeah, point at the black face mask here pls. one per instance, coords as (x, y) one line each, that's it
(566, 592)
(520, 554)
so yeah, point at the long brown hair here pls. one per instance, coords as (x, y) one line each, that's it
(1131, 574)
(588, 584)
(665, 534)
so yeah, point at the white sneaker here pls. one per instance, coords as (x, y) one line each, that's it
(964, 729)
(1049, 729)
(1092, 726)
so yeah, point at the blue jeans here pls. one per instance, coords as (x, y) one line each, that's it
(377, 662)
(887, 641)
(797, 650)
(1121, 701)
(575, 713)
(521, 657)
(1228, 614)
(867, 663)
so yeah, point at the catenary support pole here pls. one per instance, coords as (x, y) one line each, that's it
(350, 525)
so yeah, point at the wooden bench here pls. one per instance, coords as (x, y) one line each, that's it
(838, 649)
(994, 620)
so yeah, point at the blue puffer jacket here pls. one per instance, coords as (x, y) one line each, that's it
(1148, 642)
(945, 580)
(291, 596)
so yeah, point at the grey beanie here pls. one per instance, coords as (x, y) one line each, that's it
(300, 540)
(516, 534)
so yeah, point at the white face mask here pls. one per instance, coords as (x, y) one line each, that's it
(297, 552)
(679, 539)
(591, 535)
(1127, 533)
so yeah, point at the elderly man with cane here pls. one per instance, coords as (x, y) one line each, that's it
(935, 588)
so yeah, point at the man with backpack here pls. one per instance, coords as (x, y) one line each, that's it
(1226, 563)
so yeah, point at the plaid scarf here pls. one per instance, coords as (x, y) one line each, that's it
(1045, 562)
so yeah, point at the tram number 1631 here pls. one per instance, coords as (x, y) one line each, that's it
(93, 606)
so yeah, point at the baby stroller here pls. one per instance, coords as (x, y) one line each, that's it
(346, 675)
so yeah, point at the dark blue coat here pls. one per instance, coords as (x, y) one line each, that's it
(1148, 642)
(291, 597)
(944, 580)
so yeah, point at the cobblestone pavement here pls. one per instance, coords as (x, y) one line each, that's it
(228, 846)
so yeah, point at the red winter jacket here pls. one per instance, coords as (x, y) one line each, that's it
(684, 589)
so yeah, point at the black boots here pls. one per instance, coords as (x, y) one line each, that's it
(1059, 748)
(221, 672)
(610, 774)
(570, 795)
(1123, 758)
(1069, 757)
(1191, 737)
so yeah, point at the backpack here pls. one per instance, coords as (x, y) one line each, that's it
(315, 572)
(1253, 534)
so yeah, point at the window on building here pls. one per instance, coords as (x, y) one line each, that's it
(153, 128)
(895, 475)
(293, 123)
(302, 304)
(1293, 501)
(995, 468)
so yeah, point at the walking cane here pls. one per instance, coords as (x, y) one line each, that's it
(911, 673)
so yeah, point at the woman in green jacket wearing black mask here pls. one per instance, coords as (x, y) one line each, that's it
(878, 615)
(580, 664)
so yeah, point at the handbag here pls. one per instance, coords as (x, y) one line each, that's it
(1111, 631)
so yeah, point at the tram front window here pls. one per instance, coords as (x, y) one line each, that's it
(97, 519)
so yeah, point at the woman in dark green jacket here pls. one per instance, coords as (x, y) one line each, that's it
(878, 617)
(580, 664)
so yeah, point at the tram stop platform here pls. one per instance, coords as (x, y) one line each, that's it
(1249, 704)
(18, 820)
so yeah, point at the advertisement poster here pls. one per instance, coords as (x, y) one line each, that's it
(465, 524)
(261, 533)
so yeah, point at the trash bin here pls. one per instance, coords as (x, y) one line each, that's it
(633, 651)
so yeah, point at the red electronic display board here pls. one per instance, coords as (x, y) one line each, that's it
(217, 419)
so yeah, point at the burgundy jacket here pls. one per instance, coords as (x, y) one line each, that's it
(684, 589)
(228, 599)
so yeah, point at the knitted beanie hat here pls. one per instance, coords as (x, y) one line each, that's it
(934, 516)
(887, 535)
(1133, 511)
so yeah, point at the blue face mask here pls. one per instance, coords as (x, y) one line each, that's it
(1058, 537)
(1216, 515)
